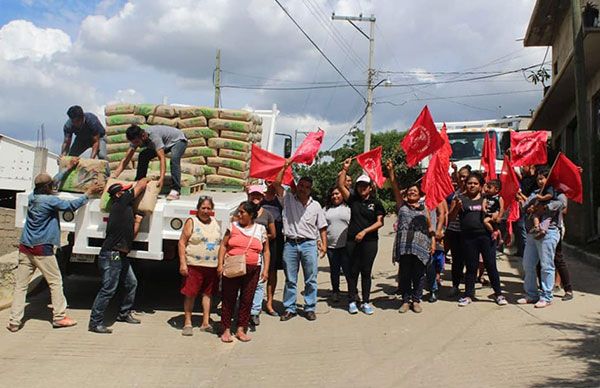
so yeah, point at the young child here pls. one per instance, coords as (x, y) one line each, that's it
(544, 195)
(494, 208)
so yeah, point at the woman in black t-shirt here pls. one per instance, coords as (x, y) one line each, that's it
(475, 239)
(366, 217)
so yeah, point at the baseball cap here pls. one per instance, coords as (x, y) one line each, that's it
(116, 188)
(257, 189)
(363, 178)
(42, 179)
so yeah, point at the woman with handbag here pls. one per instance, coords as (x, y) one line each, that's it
(239, 266)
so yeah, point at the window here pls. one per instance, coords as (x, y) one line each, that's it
(469, 145)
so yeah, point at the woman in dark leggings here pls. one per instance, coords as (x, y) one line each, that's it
(476, 240)
(452, 235)
(366, 217)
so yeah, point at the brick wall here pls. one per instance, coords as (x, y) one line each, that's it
(9, 235)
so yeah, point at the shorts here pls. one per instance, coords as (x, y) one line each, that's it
(200, 280)
(438, 259)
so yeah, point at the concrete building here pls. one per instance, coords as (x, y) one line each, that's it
(551, 24)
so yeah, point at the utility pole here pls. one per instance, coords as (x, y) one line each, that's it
(371, 72)
(584, 132)
(217, 78)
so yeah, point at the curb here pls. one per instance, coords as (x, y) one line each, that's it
(581, 255)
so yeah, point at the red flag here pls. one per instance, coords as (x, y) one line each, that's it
(446, 150)
(566, 177)
(528, 148)
(509, 182)
(488, 156)
(514, 213)
(309, 148)
(370, 161)
(422, 139)
(436, 183)
(266, 165)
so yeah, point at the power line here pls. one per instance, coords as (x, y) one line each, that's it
(320, 51)
(460, 96)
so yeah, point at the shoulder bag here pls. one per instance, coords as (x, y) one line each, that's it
(235, 265)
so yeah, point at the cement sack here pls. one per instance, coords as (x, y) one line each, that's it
(192, 122)
(125, 119)
(144, 109)
(186, 168)
(195, 111)
(165, 111)
(86, 173)
(116, 129)
(256, 129)
(113, 139)
(186, 179)
(228, 125)
(113, 165)
(239, 155)
(219, 180)
(239, 115)
(208, 170)
(257, 120)
(119, 109)
(194, 132)
(199, 160)
(118, 156)
(105, 201)
(119, 147)
(229, 163)
(146, 202)
(242, 136)
(158, 120)
(232, 173)
(198, 142)
(235, 145)
(199, 151)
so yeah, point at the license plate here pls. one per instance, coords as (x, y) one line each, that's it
(82, 258)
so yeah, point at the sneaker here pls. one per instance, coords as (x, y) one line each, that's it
(463, 302)
(567, 297)
(367, 309)
(100, 329)
(432, 298)
(541, 304)
(65, 322)
(404, 308)
(526, 301)
(173, 195)
(128, 318)
(352, 309)
(417, 307)
(501, 300)
(255, 320)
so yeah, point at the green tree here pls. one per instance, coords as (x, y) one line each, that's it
(324, 170)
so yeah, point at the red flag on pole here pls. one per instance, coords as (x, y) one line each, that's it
(528, 148)
(370, 161)
(488, 156)
(446, 150)
(422, 139)
(308, 149)
(514, 213)
(266, 165)
(565, 176)
(436, 183)
(509, 182)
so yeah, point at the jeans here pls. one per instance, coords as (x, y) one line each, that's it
(541, 251)
(338, 261)
(177, 151)
(82, 143)
(295, 255)
(520, 234)
(475, 245)
(259, 293)
(412, 278)
(435, 266)
(49, 268)
(362, 256)
(115, 268)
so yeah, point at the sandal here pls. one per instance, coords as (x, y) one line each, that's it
(13, 328)
(273, 313)
(65, 322)
(207, 329)
(187, 331)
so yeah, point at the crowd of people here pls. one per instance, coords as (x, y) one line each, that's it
(277, 229)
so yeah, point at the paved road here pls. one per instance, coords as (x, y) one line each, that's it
(481, 345)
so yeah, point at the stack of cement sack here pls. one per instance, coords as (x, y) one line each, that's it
(219, 140)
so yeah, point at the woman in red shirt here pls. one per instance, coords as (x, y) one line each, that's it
(243, 237)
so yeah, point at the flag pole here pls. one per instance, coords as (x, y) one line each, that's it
(550, 172)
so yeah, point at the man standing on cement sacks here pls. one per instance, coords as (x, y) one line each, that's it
(36, 249)
(88, 132)
(115, 267)
(158, 141)
(303, 224)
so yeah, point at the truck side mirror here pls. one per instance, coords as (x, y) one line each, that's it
(287, 147)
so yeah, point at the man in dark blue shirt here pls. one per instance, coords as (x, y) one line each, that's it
(88, 132)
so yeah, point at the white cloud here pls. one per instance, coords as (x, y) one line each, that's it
(20, 39)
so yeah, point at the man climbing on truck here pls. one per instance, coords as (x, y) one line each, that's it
(157, 141)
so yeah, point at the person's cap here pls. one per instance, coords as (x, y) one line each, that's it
(42, 179)
(257, 189)
(116, 188)
(363, 178)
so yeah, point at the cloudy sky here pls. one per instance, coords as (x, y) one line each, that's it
(56, 53)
